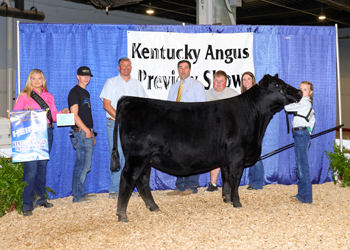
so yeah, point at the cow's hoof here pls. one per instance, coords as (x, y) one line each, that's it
(154, 209)
(123, 218)
(237, 204)
(227, 200)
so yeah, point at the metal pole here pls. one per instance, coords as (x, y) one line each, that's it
(339, 92)
(18, 62)
(9, 60)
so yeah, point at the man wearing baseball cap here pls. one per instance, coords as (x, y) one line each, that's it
(82, 137)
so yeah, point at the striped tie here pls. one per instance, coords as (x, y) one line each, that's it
(179, 92)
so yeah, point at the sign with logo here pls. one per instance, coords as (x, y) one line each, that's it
(154, 57)
(29, 135)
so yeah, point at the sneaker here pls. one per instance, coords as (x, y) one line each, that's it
(84, 200)
(135, 194)
(46, 205)
(113, 195)
(295, 199)
(251, 188)
(27, 213)
(212, 188)
(91, 196)
(175, 192)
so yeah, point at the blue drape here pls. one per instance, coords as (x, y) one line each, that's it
(295, 53)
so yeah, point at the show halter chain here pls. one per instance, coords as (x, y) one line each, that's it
(42, 104)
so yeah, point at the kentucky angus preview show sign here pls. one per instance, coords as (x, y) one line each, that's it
(154, 57)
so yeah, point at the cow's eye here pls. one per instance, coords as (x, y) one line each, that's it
(276, 84)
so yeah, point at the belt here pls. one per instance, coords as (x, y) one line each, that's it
(298, 128)
(111, 119)
(79, 130)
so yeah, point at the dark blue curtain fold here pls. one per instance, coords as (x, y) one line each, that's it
(295, 53)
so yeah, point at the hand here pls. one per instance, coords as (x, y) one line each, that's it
(89, 134)
(28, 108)
(65, 111)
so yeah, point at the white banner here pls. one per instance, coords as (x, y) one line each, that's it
(154, 57)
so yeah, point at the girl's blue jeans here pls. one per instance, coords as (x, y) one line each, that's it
(301, 148)
(256, 175)
(35, 175)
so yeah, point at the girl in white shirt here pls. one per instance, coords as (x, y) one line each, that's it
(303, 123)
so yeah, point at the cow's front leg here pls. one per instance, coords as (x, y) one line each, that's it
(142, 185)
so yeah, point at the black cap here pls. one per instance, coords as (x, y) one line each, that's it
(84, 71)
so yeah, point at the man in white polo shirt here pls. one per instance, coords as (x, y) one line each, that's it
(114, 88)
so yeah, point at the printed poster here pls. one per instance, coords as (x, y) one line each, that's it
(29, 135)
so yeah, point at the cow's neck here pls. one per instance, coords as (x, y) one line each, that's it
(262, 109)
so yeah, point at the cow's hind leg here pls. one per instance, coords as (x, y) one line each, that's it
(142, 185)
(128, 179)
(125, 190)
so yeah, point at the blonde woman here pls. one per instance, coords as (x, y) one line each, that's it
(36, 96)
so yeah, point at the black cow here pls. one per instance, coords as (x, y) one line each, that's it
(183, 139)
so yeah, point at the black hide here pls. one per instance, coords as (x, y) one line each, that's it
(183, 139)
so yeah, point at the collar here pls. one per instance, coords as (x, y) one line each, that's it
(43, 91)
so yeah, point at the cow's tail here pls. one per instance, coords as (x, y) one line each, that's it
(115, 162)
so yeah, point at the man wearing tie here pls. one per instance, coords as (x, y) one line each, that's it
(186, 89)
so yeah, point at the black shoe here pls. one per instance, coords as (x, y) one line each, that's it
(211, 188)
(27, 213)
(251, 188)
(46, 204)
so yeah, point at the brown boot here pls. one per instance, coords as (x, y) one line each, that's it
(175, 192)
(187, 192)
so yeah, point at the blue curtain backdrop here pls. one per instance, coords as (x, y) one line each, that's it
(296, 53)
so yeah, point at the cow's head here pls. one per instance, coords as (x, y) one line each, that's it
(279, 92)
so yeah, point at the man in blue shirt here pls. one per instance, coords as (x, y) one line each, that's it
(186, 89)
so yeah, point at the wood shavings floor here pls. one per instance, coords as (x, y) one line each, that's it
(267, 220)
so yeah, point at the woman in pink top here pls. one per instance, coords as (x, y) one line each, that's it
(34, 174)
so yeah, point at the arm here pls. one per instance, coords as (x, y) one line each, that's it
(108, 107)
(295, 107)
(21, 103)
(200, 93)
(171, 93)
(74, 109)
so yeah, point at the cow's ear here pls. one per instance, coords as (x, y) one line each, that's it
(276, 75)
(264, 80)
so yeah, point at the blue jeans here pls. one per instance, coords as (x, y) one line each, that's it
(84, 148)
(114, 176)
(35, 175)
(188, 182)
(256, 175)
(301, 149)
